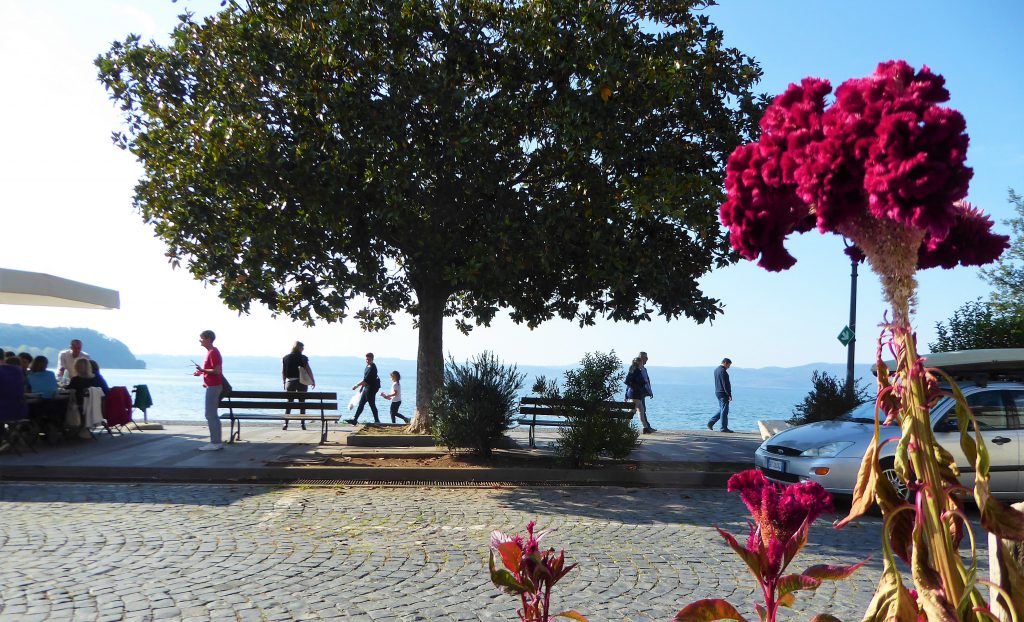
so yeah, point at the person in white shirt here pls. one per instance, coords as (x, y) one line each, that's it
(396, 397)
(66, 361)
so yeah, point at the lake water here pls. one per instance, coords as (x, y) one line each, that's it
(178, 396)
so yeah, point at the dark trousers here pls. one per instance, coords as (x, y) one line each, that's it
(368, 397)
(295, 385)
(394, 413)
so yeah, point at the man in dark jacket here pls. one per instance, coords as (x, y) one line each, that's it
(369, 384)
(723, 391)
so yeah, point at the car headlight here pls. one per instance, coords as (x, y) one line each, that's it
(827, 450)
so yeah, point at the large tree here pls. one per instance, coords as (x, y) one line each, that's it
(999, 321)
(1006, 276)
(443, 158)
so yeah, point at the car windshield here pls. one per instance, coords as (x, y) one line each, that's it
(865, 413)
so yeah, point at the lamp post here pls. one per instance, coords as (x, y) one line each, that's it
(854, 260)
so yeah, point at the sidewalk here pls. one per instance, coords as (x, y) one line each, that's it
(268, 454)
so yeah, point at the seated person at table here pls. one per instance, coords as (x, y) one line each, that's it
(100, 381)
(12, 393)
(40, 379)
(82, 381)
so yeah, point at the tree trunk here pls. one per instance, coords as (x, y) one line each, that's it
(429, 357)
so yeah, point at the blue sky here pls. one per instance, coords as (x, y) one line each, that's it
(65, 191)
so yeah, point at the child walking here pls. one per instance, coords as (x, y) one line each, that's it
(396, 397)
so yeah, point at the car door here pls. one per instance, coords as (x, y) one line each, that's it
(1015, 406)
(997, 422)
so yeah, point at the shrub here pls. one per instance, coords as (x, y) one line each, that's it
(591, 433)
(476, 403)
(978, 325)
(828, 399)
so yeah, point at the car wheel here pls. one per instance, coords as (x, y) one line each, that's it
(889, 473)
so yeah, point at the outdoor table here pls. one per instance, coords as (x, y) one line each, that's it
(48, 414)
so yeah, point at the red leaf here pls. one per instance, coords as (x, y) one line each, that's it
(794, 582)
(511, 555)
(708, 610)
(831, 573)
(575, 615)
(504, 579)
(752, 559)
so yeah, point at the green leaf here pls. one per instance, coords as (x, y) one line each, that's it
(708, 610)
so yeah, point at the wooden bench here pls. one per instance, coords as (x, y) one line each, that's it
(544, 411)
(240, 405)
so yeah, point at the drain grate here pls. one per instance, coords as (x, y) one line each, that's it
(421, 484)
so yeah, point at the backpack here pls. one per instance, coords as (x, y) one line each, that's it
(117, 408)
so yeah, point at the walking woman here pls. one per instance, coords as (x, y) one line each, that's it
(213, 379)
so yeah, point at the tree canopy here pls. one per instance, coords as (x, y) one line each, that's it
(999, 321)
(362, 158)
(1007, 275)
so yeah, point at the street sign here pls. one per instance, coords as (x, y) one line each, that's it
(846, 336)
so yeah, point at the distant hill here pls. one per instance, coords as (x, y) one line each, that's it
(48, 342)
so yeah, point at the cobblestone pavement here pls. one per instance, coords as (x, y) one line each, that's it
(209, 552)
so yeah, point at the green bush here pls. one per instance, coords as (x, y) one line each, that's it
(978, 325)
(591, 433)
(476, 404)
(828, 399)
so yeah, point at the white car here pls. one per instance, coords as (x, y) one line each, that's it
(830, 452)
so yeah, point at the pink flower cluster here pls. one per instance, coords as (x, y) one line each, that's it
(884, 150)
(778, 512)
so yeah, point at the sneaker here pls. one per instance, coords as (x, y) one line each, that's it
(727, 430)
(711, 427)
(211, 447)
(646, 431)
(351, 421)
(651, 430)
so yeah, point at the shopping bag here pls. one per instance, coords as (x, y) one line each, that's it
(354, 401)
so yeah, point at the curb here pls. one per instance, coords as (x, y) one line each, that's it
(662, 478)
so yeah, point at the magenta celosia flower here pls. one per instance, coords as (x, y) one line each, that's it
(968, 243)
(884, 165)
(779, 513)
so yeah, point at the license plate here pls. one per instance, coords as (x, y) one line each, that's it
(776, 465)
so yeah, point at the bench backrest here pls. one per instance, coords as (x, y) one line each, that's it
(552, 407)
(279, 400)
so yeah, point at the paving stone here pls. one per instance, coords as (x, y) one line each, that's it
(383, 554)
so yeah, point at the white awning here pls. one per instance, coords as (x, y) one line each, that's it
(18, 287)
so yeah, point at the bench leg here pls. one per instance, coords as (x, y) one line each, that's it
(323, 430)
(533, 442)
(235, 434)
